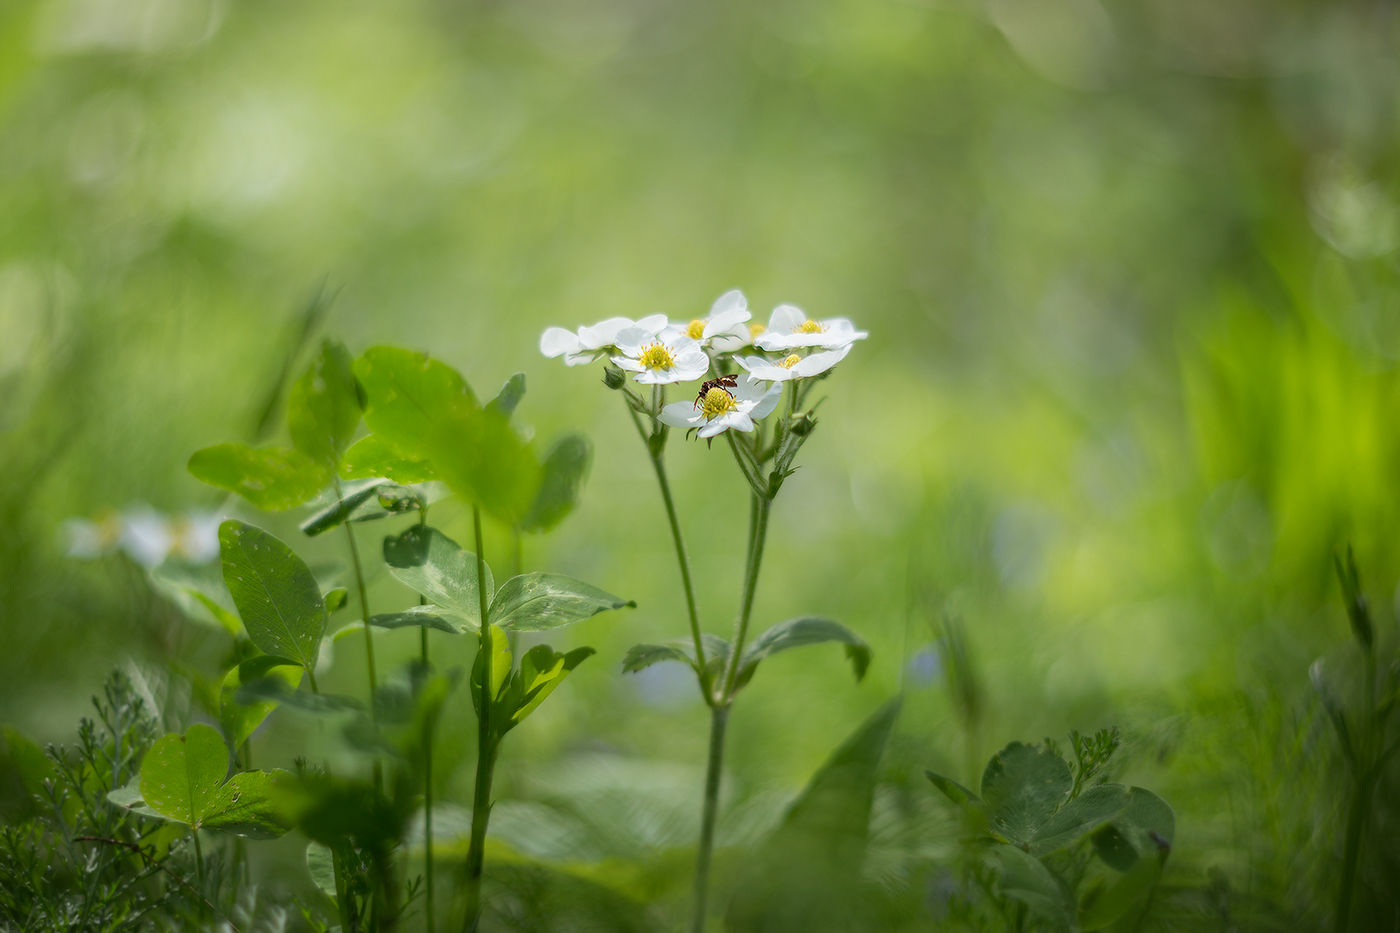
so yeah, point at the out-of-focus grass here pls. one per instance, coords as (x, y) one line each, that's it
(1128, 272)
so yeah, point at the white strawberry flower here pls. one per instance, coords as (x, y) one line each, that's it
(720, 409)
(789, 328)
(593, 342)
(659, 359)
(725, 329)
(792, 366)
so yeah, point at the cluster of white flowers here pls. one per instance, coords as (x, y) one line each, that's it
(659, 351)
(145, 535)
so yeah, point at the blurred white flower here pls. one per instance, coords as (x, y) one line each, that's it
(724, 330)
(792, 366)
(720, 409)
(146, 535)
(660, 359)
(789, 328)
(593, 342)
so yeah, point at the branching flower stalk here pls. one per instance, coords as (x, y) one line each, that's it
(659, 353)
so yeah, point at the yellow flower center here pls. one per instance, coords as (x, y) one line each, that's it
(657, 356)
(809, 326)
(716, 402)
(696, 329)
(755, 329)
(790, 362)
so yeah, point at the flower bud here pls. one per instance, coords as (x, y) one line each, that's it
(802, 424)
(613, 377)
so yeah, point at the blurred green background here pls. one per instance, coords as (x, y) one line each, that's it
(1128, 268)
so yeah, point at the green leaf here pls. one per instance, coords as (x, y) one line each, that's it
(805, 877)
(500, 668)
(316, 704)
(483, 459)
(181, 774)
(323, 408)
(561, 477)
(640, 657)
(952, 789)
(129, 798)
(358, 502)
(1102, 907)
(320, 862)
(239, 721)
(335, 598)
(272, 478)
(434, 565)
(1022, 787)
(533, 602)
(275, 592)
(541, 670)
(199, 591)
(1025, 878)
(28, 759)
(1084, 813)
(246, 806)
(427, 616)
(372, 456)
(1128, 837)
(794, 633)
(408, 397)
(509, 397)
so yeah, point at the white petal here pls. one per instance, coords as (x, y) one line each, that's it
(604, 333)
(773, 342)
(819, 363)
(725, 321)
(631, 340)
(786, 318)
(556, 341)
(653, 323)
(710, 429)
(768, 402)
(761, 368)
(732, 300)
(662, 377)
(679, 414)
(622, 362)
(749, 389)
(731, 340)
(583, 358)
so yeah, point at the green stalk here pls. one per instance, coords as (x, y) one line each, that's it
(762, 507)
(1365, 769)
(486, 747)
(758, 533)
(427, 802)
(658, 464)
(198, 856)
(364, 611)
(719, 717)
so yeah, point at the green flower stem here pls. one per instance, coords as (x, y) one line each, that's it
(719, 717)
(1364, 770)
(364, 611)
(486, 747)
(758, 537)
(427, 801)
(198, 856)
(659, 465)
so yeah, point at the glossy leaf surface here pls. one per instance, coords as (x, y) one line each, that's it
(239, 720)
(533, 602)
(275, 592)
(409, 396)
(323, 407)
(434, 565)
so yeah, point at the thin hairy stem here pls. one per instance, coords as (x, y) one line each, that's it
(658, 464)
(719, 716)
(427, 802)
(759, 535)
(486, 746)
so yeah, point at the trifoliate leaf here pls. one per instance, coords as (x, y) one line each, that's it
(323, 407)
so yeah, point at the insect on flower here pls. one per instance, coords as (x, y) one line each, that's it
(723, 382)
